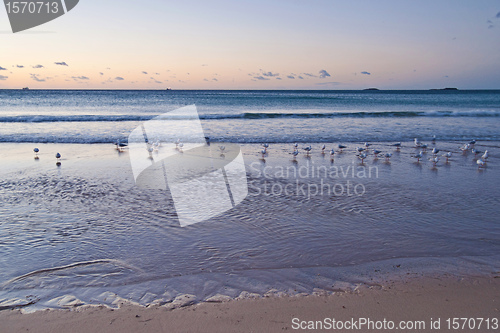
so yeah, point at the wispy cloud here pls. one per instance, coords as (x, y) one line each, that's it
(101, 73)
(323, 74)
(278, 78)
(260, 77)
(2, 69)
(155, 80)
(300, 77)
(143, 72)
(366, 73)
(62, 63)
(3, 77)
(203, 65)
(37, 66)
(80, 78)
(290, 77)
(36, 78)
(498, 15)
(215, 79)
(309, 74)
(19, 66)
(119, 78)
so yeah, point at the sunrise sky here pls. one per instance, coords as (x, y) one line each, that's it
(258, 44)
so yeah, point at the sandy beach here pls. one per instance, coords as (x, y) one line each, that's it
(415, 303)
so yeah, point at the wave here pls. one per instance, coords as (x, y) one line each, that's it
(253, 115)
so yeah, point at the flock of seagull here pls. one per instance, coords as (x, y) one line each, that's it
(363, 152)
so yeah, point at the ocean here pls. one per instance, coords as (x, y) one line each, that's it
(83, 232)
(82, 116)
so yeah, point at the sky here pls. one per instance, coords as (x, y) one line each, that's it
(273, 44)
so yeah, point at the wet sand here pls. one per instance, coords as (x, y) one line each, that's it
(421, 301)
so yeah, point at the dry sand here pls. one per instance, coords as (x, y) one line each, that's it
(421, 299)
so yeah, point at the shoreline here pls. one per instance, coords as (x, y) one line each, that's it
(414, 300)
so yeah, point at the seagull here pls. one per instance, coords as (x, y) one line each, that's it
(417, 142)
(180, 146)
(295, 153)
(476, 152)
(435, 151)
(120, 145)
(323, 149)
(362, 156)
(307, 149)
(397, 145)
(58, 157)
(485, 156)
(36, 150)
(388, 156)
(360, 149)
(265, 145)
(465, 148)
(263, 152)
(419, 156)
(207, 140)
(332, 154)
(472, 142)
(342, 147)
(177, 142)
(434, 160)
(424, 146)
(367, 144)
(433, 139)
(296, 145)
(222, 148)
(481, 163)
(376, 152)
(447, 155)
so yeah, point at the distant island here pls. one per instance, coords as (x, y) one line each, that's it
(445, 89)
(371, 89)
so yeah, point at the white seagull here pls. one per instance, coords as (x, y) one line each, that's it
(419, 156)
(447, 155)
(307, 149)
(485, 155)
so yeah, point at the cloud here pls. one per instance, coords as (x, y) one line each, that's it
(366, 73)
(323, 74)
(36, 78)
(101, 73)
(80, 78)
(309, 74)
(119, 78)
(260, 78)
(328, 83)
(270, 74)
(300, 77)
(157, 73)
(205, 80)
(290, 76)
(2, 69)
(37, 66)
(278, 78)
(3, 77)
(155, 80)
(491, 26)
(214, 79)
(497, 15)
(203, 65)
(62, 63)
(143, 72)
(19, 66)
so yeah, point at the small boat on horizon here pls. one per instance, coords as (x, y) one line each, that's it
(26, 88)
